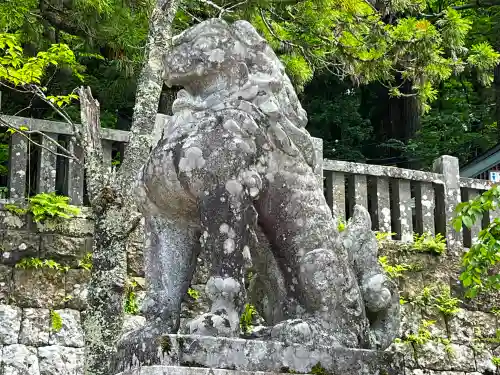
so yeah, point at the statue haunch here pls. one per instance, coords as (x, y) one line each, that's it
(235, 156)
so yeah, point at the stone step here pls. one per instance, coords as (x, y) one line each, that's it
(249, 355)
(182, 370)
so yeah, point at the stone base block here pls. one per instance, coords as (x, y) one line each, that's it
(180, 370)
(153, 355)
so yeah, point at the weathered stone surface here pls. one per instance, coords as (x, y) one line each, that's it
(80, 226)
(135, 259)
(253, 355)
(18, 244)
(179, 370)
(448, 166)
(460, 356)
(9, 220)
(411, 285)
(433, 355)
(5, 283)
(484, 362)
(71, 333)
(10, 324)
(235, 155)
(42, 288)
(430, 372)
(407, 351)
(438, 329)
(132, 322)
(60, 360)
(467, 325)
(411, 319)
(64, 249)
(35, 327)
(20, 360)
(76, 288)
(193, 307)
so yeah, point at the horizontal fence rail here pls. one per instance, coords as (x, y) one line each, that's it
(400, 201)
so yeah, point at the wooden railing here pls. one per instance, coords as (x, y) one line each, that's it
(401, 201)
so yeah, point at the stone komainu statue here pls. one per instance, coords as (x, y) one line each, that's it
(235, 160)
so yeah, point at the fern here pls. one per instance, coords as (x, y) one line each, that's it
(45, 206)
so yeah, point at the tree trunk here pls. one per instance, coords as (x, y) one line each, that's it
(112, 199)
(149, 86)
(403, 120)
(496, 87)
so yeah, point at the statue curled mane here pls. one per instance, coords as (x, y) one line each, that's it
(263, 83)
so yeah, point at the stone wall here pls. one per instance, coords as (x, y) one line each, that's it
(31, 301)
(437, 338)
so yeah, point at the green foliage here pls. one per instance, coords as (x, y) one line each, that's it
(12, 208)
(193, 293)
(55, 321)
(45, 206)
(393, 271)
(460, 123)
(438, 297)
(426, 242)
(341, 225)
(37, 263)
(246, 319)
(86, 262)
(423, 334)
(334, 110)
(496, 361)
(383, 236)
(17, 69)
(62, 100)
(131, 304)
(484, 255)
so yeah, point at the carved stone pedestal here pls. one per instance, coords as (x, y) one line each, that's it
(190, 355)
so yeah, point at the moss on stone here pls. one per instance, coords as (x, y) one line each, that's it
(317, 369)
(166, 344)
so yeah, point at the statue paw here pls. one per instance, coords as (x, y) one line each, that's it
(213, 324)
(376, 294)
(145, 333)
(299, 331)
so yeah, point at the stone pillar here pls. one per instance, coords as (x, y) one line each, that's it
(107, 152)
(335, 194)
(382, 204)
(358, 191)
(47, 167)
(424, 208)
(401, 210)
(448, 166)
(18, 160)
(75, 175)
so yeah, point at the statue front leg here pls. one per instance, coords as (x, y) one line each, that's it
(169, 259)
(227, 224)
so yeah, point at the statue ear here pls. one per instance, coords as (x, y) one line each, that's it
(246, 33)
